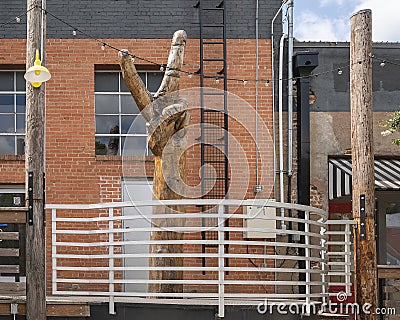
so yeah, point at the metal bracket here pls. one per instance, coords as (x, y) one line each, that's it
(30, 198)
(362, 217)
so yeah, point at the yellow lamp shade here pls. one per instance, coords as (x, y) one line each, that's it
(37, 73)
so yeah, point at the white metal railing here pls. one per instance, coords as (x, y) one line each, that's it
(339, 256)
(92, 252)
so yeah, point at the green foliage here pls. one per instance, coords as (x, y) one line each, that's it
(392, 125)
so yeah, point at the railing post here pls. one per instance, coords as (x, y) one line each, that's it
(111, 304)
(221, 261)
(323, 269)
(54, 250)
(347, 250)
(307, 262)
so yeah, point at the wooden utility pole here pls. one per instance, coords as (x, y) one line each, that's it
(362, 147)
(34, 166)
(167, 118)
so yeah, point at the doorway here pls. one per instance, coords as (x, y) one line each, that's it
(137, 190)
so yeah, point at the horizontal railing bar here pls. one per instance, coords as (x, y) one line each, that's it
(339, 283)
(186, 255)
(189, 229)
(189, 281)
(338, 263)
(338, 253)
(225, 202)
(338, 233)
(272, 282)
(186, 216)
(213, 242)
(146, 268)
(337, 243)
(341, 222)
(336, 273)
(137, 281)
(248, 297)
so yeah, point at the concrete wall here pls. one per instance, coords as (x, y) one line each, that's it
(330, 109)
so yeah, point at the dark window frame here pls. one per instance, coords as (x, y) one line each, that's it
(17, 132)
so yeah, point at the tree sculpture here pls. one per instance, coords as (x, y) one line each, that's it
(167, 117)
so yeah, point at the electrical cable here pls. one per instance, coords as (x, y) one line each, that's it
(163, 67)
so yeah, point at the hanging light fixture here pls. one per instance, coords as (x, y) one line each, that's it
(37, 73)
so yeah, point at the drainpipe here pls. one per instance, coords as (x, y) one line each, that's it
(273, 100)
(290, 108)
(280, 95)
(290, 88)
(257, 187)
(273, 92)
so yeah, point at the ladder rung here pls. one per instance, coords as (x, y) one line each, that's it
(212, 9)
(213, 110)
(218, 179)
(215, 161)
(212, 59)
(213, 94)
(214, 77)
(210, 144)
(213, 42)
(213, 25)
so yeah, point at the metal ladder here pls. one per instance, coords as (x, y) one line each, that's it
(214, 113)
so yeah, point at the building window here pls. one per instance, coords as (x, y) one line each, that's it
(12, 112)
(118, 120)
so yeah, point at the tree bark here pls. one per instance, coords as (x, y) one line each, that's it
(166, 117)
(363, 159)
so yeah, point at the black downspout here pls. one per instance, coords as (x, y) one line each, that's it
(304, 63)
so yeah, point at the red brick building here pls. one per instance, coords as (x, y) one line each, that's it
(86, 97)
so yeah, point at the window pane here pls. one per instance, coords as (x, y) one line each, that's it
(6, 145)
(134, 146)
(21, 83)
(154, 80)
(126, 122)
(6, 103)
(142, 76)
(20, 145)
(133, 125)
(106, 81)
(107, 145)
(393, 237)
(128, 105)
(6, 123)
(106, 103)
(20, 123)
(6, 81)
(107, 124)
(21, 103)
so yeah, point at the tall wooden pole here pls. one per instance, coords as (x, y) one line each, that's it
(35, 167)
(362, 147)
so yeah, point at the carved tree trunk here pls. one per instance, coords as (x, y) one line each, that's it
(167, 118)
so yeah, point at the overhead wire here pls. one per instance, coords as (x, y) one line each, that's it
(244, 81)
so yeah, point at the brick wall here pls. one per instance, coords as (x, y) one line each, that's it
(76, 175)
